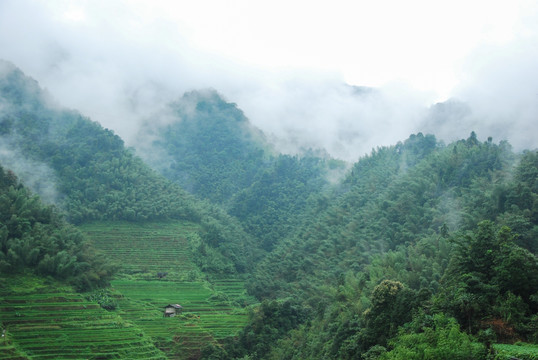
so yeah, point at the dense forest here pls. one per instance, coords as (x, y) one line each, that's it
(208, 146)
(33, 236)
(420, 250)
(420, 242)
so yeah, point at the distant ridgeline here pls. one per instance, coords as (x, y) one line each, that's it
(206, 145)
(96, 177)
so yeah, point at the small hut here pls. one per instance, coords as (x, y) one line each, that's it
(172, 310)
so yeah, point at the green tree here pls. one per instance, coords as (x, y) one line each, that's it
(487, 275)
(437, 337)
(392, 306)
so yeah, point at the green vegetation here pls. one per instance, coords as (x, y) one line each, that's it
(210, 148)
(274, 204)
(206, 317)
(212, 310)
(440, 338)
(428, 223)
(99, 179)
(266, 323)
(423, 250)
(44, 319)
(34, 237)
(142, 250)
(519, 350)
(490, 277)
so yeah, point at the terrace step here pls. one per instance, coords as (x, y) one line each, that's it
(60, 329)
(143, 250)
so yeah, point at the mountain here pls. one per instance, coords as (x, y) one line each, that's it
(208, 147)
(95, 176)
(394, 198)
(148, 228)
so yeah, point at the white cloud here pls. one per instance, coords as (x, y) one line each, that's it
(284, 63)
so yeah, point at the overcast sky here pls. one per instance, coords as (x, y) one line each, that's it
(285, 62)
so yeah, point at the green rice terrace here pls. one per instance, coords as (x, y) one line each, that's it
(44, 319)
(145, 249)
(212, 308)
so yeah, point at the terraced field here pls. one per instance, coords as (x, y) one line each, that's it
(11, 352)
(47, 320)
(145, 249)
(212, 310)
(206, 318)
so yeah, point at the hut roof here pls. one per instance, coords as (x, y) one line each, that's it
(175, 306)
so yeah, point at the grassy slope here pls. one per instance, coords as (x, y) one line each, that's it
(211, 309)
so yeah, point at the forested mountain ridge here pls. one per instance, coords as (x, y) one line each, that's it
(96, 176)
(420, 237)
(394, 197)
(208, 146)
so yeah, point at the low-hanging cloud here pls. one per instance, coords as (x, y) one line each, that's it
(121, 70)
(35, 175)
(502, 89)
(347, 121)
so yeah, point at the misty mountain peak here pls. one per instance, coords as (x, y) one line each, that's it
(17, 88)
(209, 102)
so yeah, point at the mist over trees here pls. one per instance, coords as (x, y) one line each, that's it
(420, 249)
(34, 236)
(97, 176)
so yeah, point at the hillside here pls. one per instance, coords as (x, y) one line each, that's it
(161, 263)
(420, 232)
(208, 147)
(156, 227)
(46, 319)
(392, 198)
(34, 237)
(55, 285)
(98, 178)
(94, 176)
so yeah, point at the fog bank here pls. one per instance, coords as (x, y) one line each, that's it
(121, 62)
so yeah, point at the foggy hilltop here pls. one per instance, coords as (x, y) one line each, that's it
(346, 121)
(250, 180)
(121, 72)
(187, 117)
